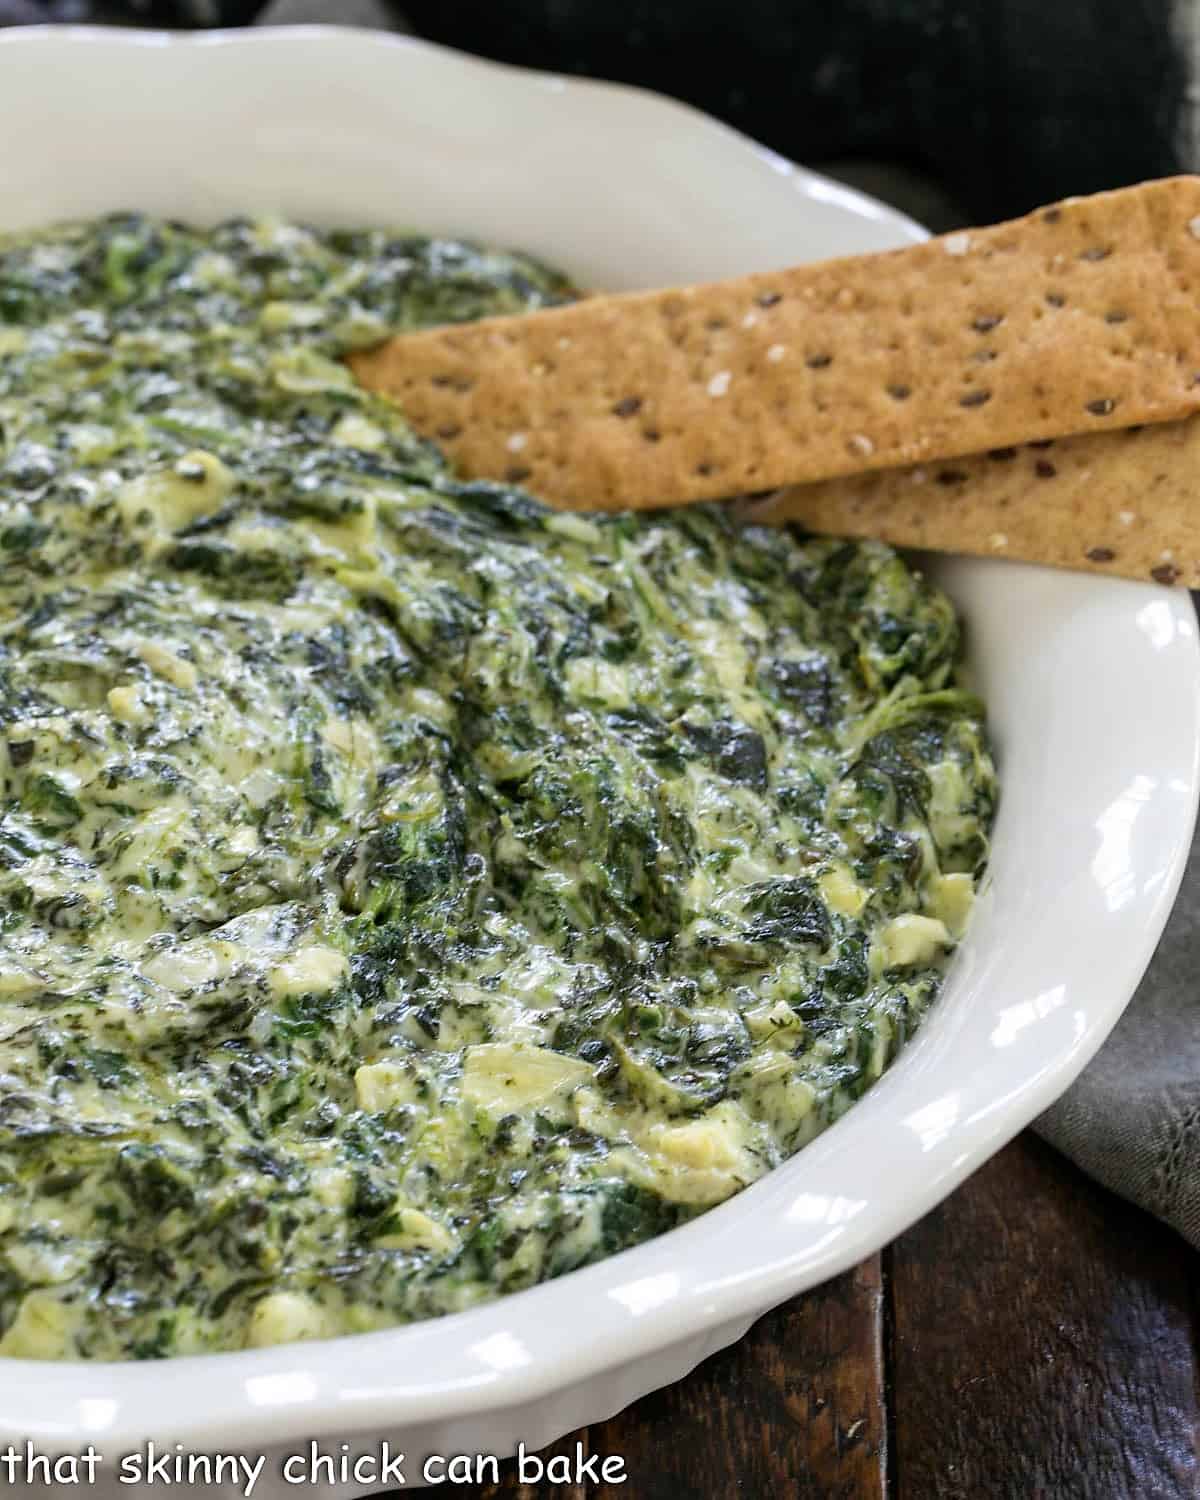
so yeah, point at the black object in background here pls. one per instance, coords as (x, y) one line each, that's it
(1006, 103)
(993, 106)
(184, 13)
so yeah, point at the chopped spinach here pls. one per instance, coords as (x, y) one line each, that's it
(408, 894)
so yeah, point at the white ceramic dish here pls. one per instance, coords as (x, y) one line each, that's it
(1094, 689)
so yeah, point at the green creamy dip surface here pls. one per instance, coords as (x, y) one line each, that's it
(408, 894)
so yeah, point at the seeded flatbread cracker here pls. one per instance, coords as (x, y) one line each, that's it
(1126, 503)
(1080, 317)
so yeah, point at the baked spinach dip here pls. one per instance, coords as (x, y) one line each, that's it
(408, 893)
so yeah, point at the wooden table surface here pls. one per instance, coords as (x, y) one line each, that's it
(1032, 1337)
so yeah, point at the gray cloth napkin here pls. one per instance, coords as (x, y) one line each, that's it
(1132, 1120)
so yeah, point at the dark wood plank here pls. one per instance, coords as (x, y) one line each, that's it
(795, 1410)
(1042, 1343)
